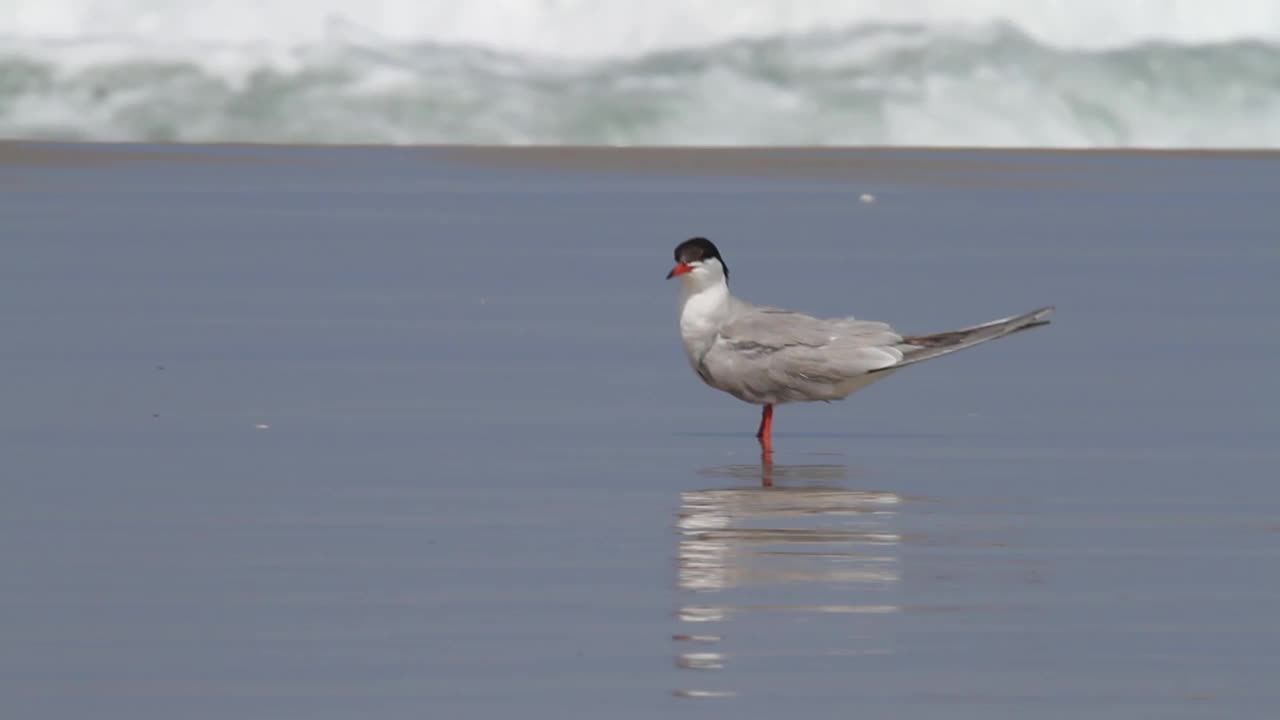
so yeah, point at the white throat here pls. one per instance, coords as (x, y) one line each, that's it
(704, 309)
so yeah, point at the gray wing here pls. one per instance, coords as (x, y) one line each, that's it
(771, 355)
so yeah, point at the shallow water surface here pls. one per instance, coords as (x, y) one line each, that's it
(364, 433)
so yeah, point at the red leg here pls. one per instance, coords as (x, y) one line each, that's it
(765, 433)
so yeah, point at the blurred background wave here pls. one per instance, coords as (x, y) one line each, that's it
(1087, 73)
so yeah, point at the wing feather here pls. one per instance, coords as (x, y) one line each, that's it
(772, 355)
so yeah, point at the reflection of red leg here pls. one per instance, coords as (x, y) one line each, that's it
(765, 433)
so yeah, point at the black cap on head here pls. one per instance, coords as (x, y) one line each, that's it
(699, 248)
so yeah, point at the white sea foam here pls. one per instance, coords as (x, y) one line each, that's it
(596, 28)
(921, 72)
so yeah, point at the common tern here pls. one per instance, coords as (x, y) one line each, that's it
(768, 356)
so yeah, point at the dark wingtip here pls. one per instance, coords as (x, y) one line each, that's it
(1034, 319)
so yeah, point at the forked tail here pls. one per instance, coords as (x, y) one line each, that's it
(924, 347)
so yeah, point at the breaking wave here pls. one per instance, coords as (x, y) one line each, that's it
(836, 74)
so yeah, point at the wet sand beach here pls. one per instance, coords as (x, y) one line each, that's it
(408, 432)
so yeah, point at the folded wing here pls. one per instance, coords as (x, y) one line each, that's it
(767, 355)
(917, 348)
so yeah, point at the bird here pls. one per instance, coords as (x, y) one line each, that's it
(769, 356)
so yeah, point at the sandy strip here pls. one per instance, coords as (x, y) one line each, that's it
(959, 166)
(18, 153)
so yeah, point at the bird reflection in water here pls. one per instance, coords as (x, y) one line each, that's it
(804, 546)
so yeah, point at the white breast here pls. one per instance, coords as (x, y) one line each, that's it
(702, 313)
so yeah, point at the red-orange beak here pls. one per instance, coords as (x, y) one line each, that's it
(679, 269)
